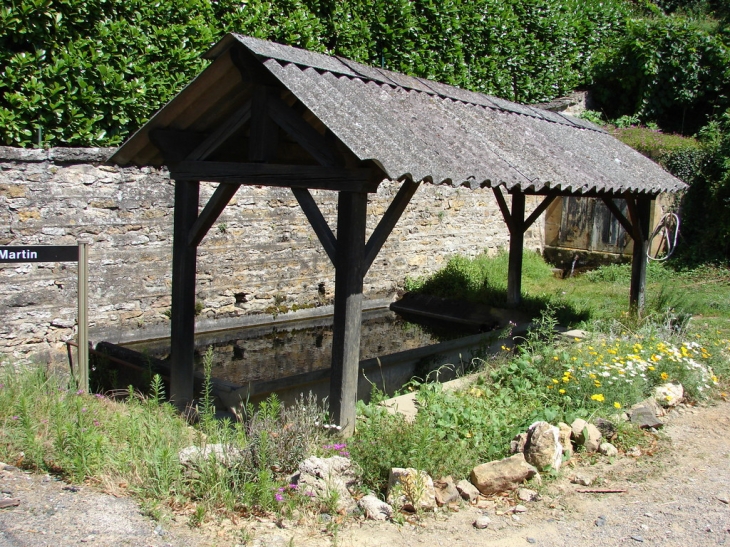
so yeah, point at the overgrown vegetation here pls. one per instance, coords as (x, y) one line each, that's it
(546, 379)
(133, 444)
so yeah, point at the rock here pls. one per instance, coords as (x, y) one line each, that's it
(589, 437)
(582, 479)
(517, 444)
(525, 494)
(519, 509)
(607, 449)
(411, 489)
(194, 456)
(644, 416)
(531, 540)
(669, 395)
(446, 491)
(502, 475)
(542, 447)
(467, 490)
(11, 502)
(658, 409)
(325, 478)
(607, 428)
(482, 522)
(374, 508)
(565, 432)
(634, 452)
(600, 521)
(724, 499)
(577, 428)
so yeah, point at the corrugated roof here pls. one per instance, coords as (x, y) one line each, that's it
(424, 130)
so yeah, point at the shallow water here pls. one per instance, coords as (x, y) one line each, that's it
(267, 353)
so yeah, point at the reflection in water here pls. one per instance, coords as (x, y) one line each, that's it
(271, 353)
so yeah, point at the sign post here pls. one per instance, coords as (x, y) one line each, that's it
(21, 254)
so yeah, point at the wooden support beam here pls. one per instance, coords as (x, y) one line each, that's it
(505, 210)
(349, 273)
(176, 145)
(182, 327)
(516, 244)
(640, 211)
(618, 215)
(263, 139)
(211, 212)
(540, 209)
(288, 176)
(306, 135)
(388, 222)
(317, 221)
(237, 120)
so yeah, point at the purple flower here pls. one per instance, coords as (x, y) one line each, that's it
(97, 423)
(98, 395)
(310, 494)
(279, 497)
(16, 417)
(83, 409)
(80, 392)
(293, 486)
(281, 489)
(344, 453)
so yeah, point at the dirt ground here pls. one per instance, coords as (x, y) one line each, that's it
(677, 496)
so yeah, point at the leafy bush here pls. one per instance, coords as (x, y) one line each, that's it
(668, 70)
(87, 73)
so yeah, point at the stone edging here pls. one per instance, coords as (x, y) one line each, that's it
(56, 155)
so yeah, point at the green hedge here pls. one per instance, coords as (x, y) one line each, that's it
(89, 72)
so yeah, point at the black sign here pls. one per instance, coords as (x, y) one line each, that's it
(39, 253)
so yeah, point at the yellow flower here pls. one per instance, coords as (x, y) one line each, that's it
(616, 404)
(555, 381)
(598, 397)
(561, 391)
(550, 387)
(555, 358)
(664, 376)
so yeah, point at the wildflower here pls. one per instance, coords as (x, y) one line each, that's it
(279, 497)
(293, 486)
(555, 381)
(598, 397)
(16, 417)
(664, 376)
(561, 391)
(505, 348)
(555, 358)
(616, 404)
(97, 423)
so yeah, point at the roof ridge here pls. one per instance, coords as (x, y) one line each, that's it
(338, 64)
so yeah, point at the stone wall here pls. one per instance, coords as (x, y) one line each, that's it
(261, 257)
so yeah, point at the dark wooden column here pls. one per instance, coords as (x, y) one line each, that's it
(640, 211)
(182, 328)
(516, 244)
(349, 273)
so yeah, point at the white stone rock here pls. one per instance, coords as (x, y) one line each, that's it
(375, 508)
(607, 449)
(669, 395)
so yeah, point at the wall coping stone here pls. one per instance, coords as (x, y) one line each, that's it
(60, 154)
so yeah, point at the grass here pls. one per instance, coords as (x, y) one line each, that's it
(126, 442)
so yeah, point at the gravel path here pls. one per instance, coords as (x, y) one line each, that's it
(676, 497)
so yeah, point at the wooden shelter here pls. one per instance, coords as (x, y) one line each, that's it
(273, 115)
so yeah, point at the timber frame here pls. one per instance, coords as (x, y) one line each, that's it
(268, 115)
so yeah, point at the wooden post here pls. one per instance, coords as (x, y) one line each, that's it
(640, 234)
(349, 273)
(182, 328)
(516, 244)
(83, 318)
